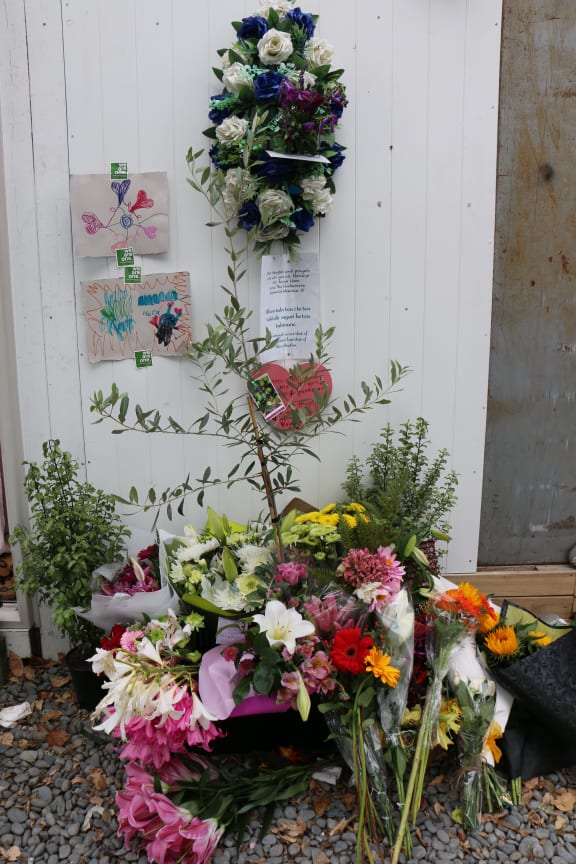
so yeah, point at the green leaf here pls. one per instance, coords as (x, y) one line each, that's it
(229, 565)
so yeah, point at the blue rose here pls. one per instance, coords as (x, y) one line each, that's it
(336, 157)
(267, 86)
(253, 27)
(302, 219)
(216, 114)
(248, 215)
(303, 20)
(126, 221)
(275, 170)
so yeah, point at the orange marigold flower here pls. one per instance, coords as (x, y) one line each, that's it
(379, 664)
(502, 641)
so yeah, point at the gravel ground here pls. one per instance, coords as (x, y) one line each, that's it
(58, 780)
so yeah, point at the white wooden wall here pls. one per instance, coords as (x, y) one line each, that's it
(405, 254)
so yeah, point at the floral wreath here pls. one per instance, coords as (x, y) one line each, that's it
(274, 124)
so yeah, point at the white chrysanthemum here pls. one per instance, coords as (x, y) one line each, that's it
(251, 556)
(283, 626)
(195, 551)
(177, 574)
(315, 191)
(222, 594)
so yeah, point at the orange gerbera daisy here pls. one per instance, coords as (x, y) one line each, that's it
(379, 664)
(502, 641)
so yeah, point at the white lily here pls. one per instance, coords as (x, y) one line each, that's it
(283, 626)
(148, 650)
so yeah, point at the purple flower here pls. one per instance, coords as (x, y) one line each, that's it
(267, 86)
(126, 221)
(248, 215)
(302, 219)
(253, 27)
(303, 20)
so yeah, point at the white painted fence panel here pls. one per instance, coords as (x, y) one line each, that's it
(405, 254)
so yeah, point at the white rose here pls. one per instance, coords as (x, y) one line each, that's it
(318, 52)
(301, 79)
(235, 77)
(274, 47)
(315, 191)
(273, 205)
(231, 130)
(280, 6)
(273, 232)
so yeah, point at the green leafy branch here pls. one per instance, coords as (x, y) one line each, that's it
(225, 362)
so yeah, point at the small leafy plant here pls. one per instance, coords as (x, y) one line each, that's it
(74, 528)
(407, 492)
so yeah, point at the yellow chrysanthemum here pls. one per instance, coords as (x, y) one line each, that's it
(379, 664)
(502, 641)
(412, 716)
(494, 733)
(448, 721)
(328, 509)
(351, 521)
(355, 507)
(540, 638)
(319, 517)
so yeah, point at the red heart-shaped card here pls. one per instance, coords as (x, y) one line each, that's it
(295, 395)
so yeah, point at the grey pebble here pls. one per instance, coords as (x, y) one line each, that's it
(46, 820)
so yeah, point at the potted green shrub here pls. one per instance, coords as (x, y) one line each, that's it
(73, 529)
(408, 494)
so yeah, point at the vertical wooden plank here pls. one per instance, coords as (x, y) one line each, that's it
(476, 267)
(48, 105)
(24, 266)
(528, 513)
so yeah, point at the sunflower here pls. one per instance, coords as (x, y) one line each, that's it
(379, 664)
(494, 733)
(349, 650)
(539, 638)
(487, 622)
(502, 642)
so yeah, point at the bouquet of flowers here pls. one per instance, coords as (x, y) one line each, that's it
(223, 570)
(452, 615)
(122, 593)
(274, 149)
(477, 699)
